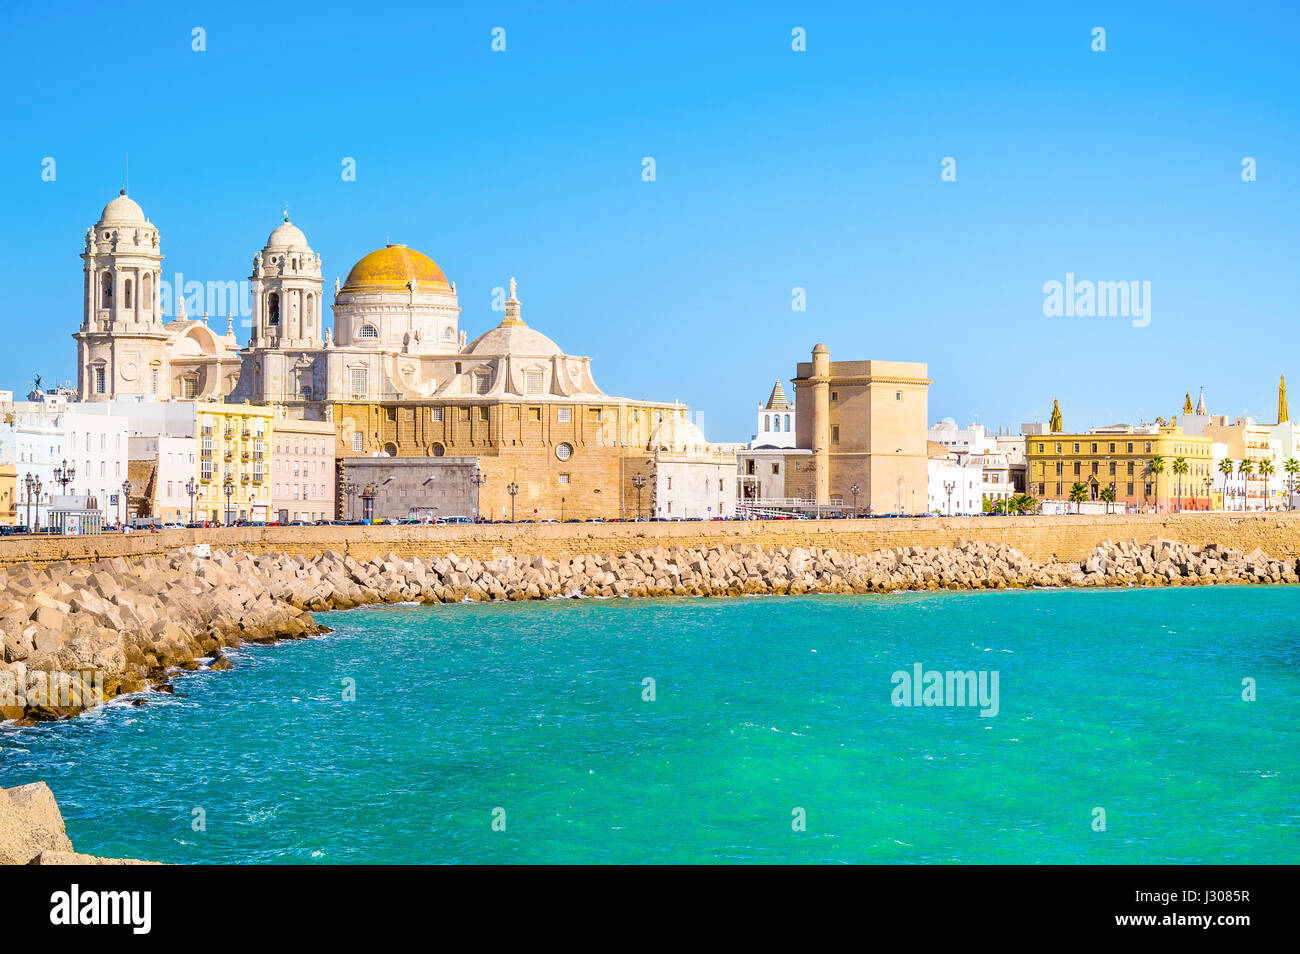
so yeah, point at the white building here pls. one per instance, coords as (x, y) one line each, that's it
(51, 438)
(958, 484)
(689, 477)
(775, 421)
(974, 439)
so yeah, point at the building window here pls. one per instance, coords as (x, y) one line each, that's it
(99, 380)
(482, 382)
(898, 395)
(273, 309)
(126, 293)
(835, 433)
(564, 451)
(776, 469)
(482, 413)
(358, 382)
(835, 395)
(189, 387)
(595, 415)
(767, 423)
(357, 442)
(534, 413)
(1130, 488)
(565, 415)
(435, 415)
(564, 478)
(105, 290)
(153, 381)
(368, 331)
(532, 382)
(446, 334)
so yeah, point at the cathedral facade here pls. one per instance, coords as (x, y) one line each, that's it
(395, 375)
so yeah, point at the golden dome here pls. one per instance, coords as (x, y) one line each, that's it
(391, 268)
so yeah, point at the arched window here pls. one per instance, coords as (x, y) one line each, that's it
(787, 423)
(273, 309)
(126, 293)
(368, 331)
(105, 290)
(446, 334)
(777, 421)
(146, 291)
(310, 308)
(767, 422)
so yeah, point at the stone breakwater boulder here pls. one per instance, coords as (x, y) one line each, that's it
(130, 624)
(32, 831)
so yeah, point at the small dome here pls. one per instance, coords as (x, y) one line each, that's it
(391, 268)
(676, 433)
(123, 210)
(821, 348)
(516, 339)
(287, 235)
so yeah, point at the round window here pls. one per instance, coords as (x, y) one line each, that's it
(439, 450)
(564, 451)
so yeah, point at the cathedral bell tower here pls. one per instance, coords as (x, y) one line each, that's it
(286, 292)
(121, 346)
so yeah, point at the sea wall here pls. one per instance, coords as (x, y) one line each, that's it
(1038, 538)
(74, 635)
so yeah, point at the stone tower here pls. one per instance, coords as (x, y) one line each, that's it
(821, 430)
(121, 347)
(286, 292)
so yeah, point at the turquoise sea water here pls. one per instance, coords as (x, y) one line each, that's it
(1126, 700)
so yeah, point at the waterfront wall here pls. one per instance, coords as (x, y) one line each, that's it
(1066, 538)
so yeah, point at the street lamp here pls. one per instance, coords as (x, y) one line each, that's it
(639, 483)
(228, 488)
(349, 491)
(126, 502)
(65, 475)
(33, 485)
(478, 479)
(192, 489)
(512, 488)
(855, 490)
(949, 486)
(368, 502)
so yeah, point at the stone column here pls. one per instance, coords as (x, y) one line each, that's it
(821, 430)
(135, 294)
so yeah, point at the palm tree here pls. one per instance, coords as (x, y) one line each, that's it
(1078, 494)
(1156, 467)
(1244, 468)
(1108, 494)
(1180, 468)
(1225, 468)
(1292, 467)
(1266, 470)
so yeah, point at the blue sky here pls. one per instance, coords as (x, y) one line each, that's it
(774, 169)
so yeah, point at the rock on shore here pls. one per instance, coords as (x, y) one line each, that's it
(128, 625)
(32, 831)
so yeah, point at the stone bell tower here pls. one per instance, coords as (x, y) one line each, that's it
(121, 346)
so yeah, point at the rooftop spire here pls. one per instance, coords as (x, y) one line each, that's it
(1283, 413)
(1200, 404)
(1187, 403)
(1056, 424)
(512, 307)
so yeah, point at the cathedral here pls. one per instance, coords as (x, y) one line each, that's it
(395, 374)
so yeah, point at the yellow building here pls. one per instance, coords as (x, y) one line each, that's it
(1139, 462)
(234, 461)
(8, 494)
